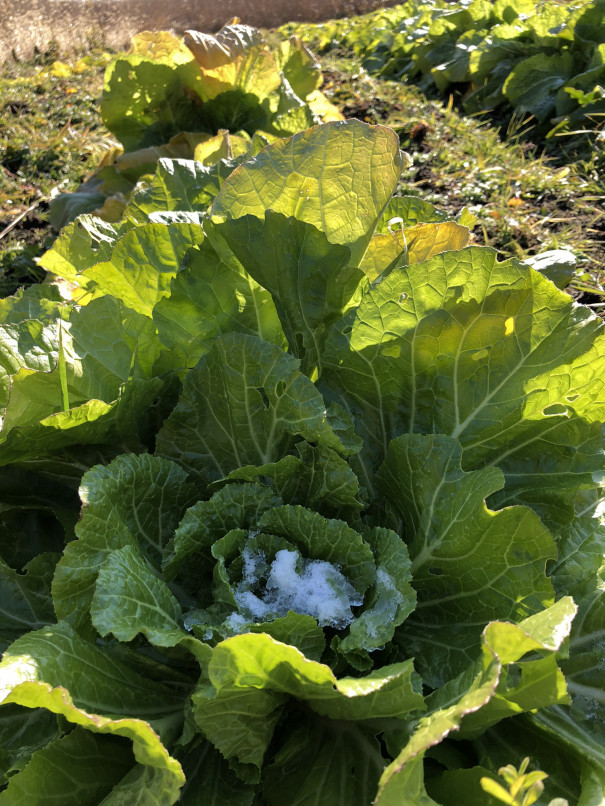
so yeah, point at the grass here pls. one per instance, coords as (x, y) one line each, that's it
(525, 201)
(52, 136)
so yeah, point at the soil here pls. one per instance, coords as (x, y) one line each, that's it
(73, 24)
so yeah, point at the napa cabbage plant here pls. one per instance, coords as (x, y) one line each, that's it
(308, 511)
(215, 98)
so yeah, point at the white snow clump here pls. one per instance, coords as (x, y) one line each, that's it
(319, 590)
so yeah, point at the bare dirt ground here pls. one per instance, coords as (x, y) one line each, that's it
(75, 24)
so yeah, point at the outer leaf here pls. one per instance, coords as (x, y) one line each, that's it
(532, 85)
(510, 10)
(118, 425)
(32, 522)
(404, 246)
(533, 682)
(515, 739)
(22, 732)
(209, 297)
(503, 644)
(76, 770)
(146, 102)
(242, 405)
(143, 263)
(490, 353)
(412, 210)
(235, 57)
(587, 22)
(299, 66)
(27, 344)
(144, 786)
(179, 184)
(580, 570)
(210, 782)
(470, 565)
(308, 278)
(129, 599)
(501, 46)
(577, 735)
(338, 177)
(559, 265)
(148, 750)
(135, 501)
(97, 682)
(324, 761)
(81, 244)
(25, 602)
(79, 370)
(253, 674)
(548, 25)
(42, 302)
(425, 240)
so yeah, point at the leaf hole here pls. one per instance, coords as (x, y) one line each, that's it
(571, 398)
(435, 572)
(556, 408)
(280, 388)
(347, 330)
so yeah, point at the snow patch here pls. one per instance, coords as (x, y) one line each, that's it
(311, 587)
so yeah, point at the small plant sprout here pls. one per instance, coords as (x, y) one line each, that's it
(524, 788)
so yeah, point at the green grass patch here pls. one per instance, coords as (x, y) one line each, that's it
(52, 136)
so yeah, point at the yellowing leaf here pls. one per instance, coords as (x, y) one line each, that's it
(323, 108)
(235, 58)
(222, 146)
(381, 252)
(426, 240)
(422, 241)
(161, 46)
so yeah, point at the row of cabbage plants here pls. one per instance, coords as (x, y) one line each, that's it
(543, 59)
(300, 495)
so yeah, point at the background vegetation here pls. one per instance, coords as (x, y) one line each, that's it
(527, 196)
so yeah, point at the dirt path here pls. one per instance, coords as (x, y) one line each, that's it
(26, 24)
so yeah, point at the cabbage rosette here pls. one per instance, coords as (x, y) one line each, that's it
(289, 571)
(311, 514)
